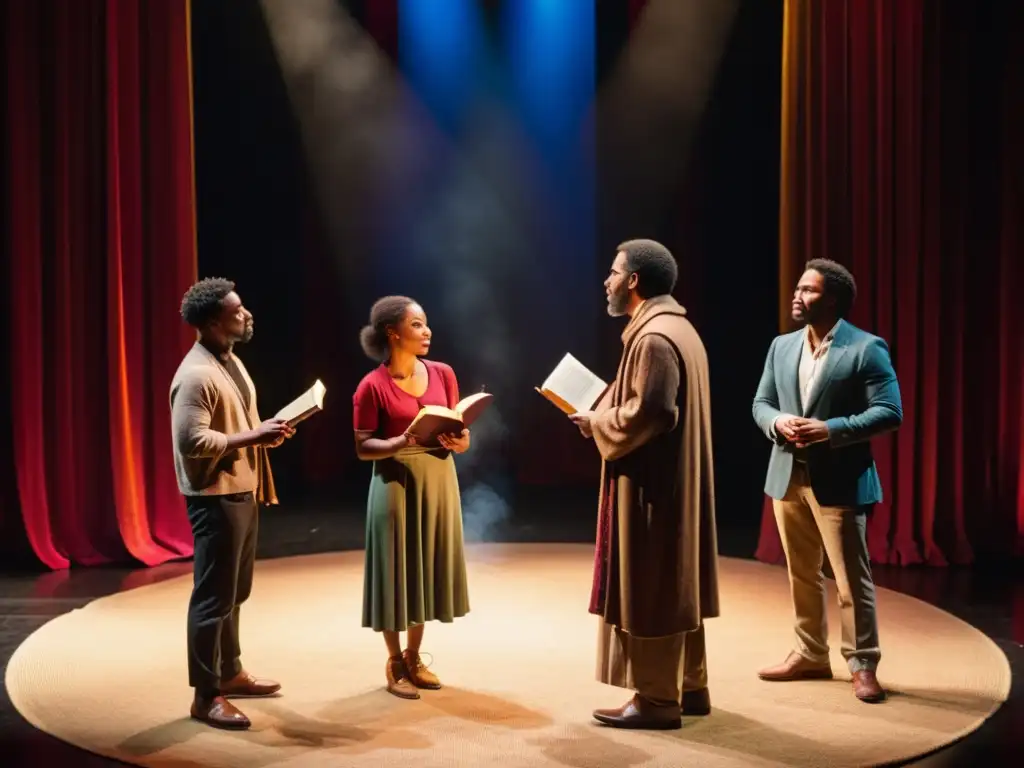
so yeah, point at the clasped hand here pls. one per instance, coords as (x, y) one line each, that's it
(801, 432)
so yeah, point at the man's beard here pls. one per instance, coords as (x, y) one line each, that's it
(804, 318)
(246, 335)
(617, 303)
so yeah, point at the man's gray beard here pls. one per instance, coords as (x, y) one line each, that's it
(617, 305)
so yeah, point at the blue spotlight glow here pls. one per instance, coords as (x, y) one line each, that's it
(551, 49)
(440, 50)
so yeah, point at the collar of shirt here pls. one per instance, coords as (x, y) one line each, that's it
(823, 345)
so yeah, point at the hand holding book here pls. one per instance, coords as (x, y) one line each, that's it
(572, 387)
(435, 420)
(305, 405)
(456, 443)
(584, 420)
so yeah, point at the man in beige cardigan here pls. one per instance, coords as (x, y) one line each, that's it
(656, 564)
(222, 469)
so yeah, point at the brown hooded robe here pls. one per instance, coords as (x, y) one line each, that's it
(656, 564)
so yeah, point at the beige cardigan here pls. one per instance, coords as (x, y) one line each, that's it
(206, 407)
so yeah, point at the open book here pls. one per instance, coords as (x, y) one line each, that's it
(305, 405)
(434, 420)
(572, 387)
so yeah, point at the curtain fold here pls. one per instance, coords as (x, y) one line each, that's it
(99, 200)
(901, 158)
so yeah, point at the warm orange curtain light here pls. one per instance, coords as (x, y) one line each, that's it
(796, 15)
(901, 158)
(102, 241)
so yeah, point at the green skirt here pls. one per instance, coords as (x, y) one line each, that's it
(415, 561)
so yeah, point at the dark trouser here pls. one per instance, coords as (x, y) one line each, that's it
(224, 528)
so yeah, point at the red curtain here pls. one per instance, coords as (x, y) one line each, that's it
(902, 158)
(101, 241)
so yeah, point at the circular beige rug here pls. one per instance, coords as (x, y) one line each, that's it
(519, 674)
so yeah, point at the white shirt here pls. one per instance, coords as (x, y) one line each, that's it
(812, 362)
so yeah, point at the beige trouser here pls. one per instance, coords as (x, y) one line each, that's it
(653, 667)
(808, 532)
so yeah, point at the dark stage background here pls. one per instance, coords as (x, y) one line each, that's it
(485, 158)
(538, 278)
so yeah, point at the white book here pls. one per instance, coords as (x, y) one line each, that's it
(572, 387)
(305, 405)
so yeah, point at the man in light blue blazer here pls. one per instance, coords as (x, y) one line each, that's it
(826, 390)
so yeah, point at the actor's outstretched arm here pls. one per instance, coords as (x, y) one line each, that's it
(885, 406)
(766, 400)
(650, 408)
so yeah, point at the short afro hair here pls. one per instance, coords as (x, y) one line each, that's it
(654, 265)
(202, 302)
(385, 312)
(839, 283)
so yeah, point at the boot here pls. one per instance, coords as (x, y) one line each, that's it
(397, 676)
(420, 676)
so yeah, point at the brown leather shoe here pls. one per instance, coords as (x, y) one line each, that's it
(796, 667)
(866, 687)
(244, 684)
(219, 713)
(420, 676)
(696, 702)
(398, 679)
(638, 712)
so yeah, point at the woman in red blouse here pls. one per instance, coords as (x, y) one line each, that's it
(415, 564)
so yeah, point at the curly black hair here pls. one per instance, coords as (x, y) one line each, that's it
(654, 265)
(385, 312)
(201, 302)
(839, 282)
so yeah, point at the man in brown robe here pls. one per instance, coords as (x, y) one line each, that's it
(656, 560)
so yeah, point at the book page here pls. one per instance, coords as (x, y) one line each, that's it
(574, 383)
(308, 402)
(470, 408)
(436, 410)
(471, 400)
(433, 419)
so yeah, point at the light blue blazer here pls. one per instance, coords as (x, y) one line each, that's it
(856, 395)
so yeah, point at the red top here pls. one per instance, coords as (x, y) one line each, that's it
(379, 406)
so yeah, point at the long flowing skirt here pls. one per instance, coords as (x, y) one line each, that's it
(415, 559)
